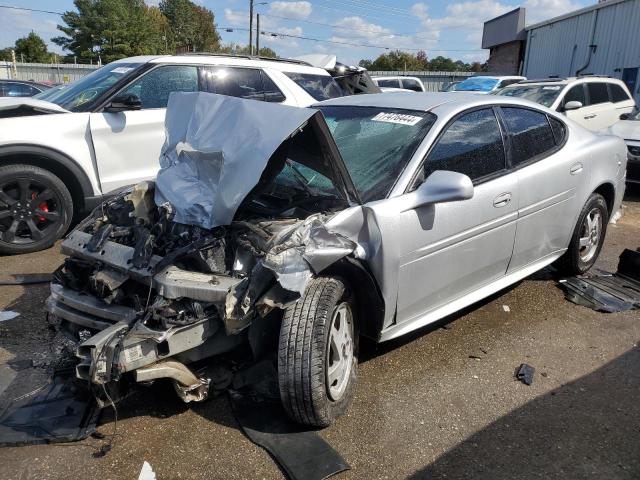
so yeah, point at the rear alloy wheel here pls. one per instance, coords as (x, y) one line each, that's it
(317, 357)
(587, 239)
(35, 209)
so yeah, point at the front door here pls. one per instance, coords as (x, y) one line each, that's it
(128, 144)
(447, 250)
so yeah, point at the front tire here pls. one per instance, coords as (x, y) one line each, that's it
(587, 239)
(35, 209)
(317, 356)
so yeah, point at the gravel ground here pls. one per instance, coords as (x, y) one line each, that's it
(440, 404)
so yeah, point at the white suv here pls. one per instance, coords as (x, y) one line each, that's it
(105, 131)
(594, 102)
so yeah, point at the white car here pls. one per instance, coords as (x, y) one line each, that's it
(59, 157)
(594, 102)
(484, 84)
(628, 128)
(391, 84)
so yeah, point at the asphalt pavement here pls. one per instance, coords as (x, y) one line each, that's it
(442, 403)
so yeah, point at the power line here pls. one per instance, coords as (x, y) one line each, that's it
(30, 9)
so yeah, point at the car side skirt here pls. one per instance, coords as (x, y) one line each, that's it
(470, 298)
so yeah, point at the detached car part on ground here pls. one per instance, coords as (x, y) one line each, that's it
(321, 226)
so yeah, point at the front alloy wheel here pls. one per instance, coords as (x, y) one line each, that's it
(35, 209)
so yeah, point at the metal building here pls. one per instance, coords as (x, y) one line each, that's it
(602, 39)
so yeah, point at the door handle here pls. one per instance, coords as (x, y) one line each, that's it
(502, 200)
(576, 168)
(589, 117)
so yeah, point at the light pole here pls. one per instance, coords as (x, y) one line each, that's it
(258, 34)
(251, 4)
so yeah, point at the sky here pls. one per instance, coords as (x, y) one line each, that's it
(351, 29)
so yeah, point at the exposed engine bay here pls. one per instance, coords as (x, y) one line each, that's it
(144, 295)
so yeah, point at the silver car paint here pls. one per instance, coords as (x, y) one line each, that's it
(434, 260)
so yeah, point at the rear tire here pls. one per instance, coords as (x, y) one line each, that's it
(587, 239)
(317, 356)
(35, 209)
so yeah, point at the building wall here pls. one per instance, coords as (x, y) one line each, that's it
(505, 59)
(562, 47)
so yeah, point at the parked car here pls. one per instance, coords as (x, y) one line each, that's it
(628, 128)
(405, 83)
(106, 130)
(594, 102)
(450, 87)
(485, 84)
(369, 215)
(21, 88)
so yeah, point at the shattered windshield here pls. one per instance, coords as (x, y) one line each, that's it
(542, 94)
(87, 89)
(476, 84)
(376, 143)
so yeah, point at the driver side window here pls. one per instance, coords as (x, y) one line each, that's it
(471, 145)
(576, 94)
(153, 88)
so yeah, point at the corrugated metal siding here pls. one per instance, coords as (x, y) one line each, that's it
(46, 72)
(561, 48)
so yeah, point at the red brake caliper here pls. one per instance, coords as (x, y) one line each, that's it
(42, 207)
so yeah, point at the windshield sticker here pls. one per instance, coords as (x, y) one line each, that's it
(551, 88)
(400, 118)
(121, 70)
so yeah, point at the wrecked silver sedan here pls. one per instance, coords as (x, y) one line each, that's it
(321, 225)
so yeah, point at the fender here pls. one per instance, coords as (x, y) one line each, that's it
(89, 200)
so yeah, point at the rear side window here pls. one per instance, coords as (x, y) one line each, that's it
(559, 130)
(598, 93)
(617, 93)
(271, 92)
(471, 145)
(320, 87)
(234, 82)
(390, 83)
(531, 134)
(575, 94)
(411, 84)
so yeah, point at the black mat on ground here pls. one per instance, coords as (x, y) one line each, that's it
(608, 292)
(301, 453)
(63, 411)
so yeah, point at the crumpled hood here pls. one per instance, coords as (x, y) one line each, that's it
(28, 105)
(217, 148)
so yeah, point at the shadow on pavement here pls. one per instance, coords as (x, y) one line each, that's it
(589, 428)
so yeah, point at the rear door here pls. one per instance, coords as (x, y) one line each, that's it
(603, 111)
(548, 178)
(620, 98)
(128, 144)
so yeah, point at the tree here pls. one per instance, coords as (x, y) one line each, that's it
(236, 49)
(114, 29)
(400, 61)
(5, 54)
(192, 27)
(32, 49)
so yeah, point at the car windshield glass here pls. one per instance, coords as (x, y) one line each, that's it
(376, 143)
(75, 95)
(49, 93)
(476, 84)
(320, 87)
(542, 94)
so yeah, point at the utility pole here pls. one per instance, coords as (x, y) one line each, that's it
(258, 34)
(251, 27)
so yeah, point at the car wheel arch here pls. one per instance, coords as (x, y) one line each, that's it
(54, 161)
(608, 191)
(368, 298)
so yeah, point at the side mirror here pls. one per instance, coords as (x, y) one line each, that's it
(122, 103)
(572, 105)
(625, 116)
(440, 187)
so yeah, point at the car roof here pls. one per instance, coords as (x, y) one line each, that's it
(283, 65)
(426, 101)
(566, 80)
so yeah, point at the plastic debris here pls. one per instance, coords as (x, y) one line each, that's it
(506, 308)
(7, 315)
(147, 472)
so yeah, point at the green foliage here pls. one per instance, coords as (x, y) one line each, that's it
(30, 48)
(235, 49)
(5, 54)
(399, 60)
(192, 27)
(114, 29)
